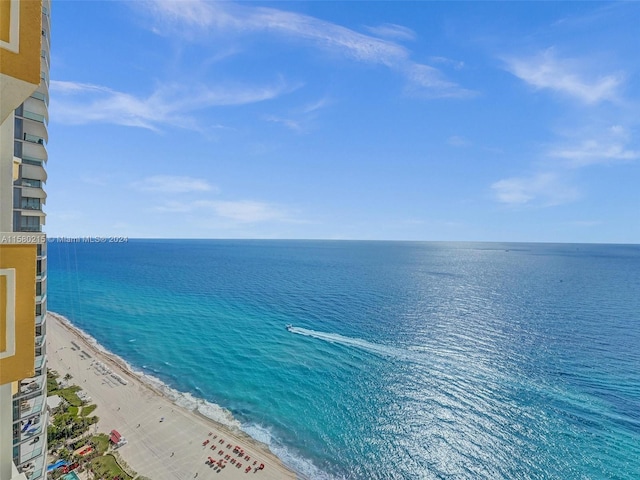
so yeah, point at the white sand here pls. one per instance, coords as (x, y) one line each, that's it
(151, 445)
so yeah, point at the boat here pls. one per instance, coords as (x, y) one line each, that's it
(289, 327)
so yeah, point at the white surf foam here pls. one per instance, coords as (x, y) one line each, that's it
(302, 466)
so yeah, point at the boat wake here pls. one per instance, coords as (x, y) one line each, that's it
(370, 347)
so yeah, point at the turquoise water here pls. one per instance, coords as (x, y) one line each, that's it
(406, 360)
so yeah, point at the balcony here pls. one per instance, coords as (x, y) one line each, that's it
(31, 204)
(33, 139)
(37, 162)
(28, 408)
(35, 470)
(39, 96)
(33, 116)
(27, 431)
(34, 150)
(31, 182)
(31, 387)
(28, 451)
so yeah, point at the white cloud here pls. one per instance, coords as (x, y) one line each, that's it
(591, 152)
(542, 189)
(173, 184)
(391, 30)
(567, 76)
(429, 82)
(227, 17)
(600, 147)
(287, 122)
(80, 103)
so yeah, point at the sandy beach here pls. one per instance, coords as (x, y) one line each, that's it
(161, 450)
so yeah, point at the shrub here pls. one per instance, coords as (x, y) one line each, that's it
(88, 409)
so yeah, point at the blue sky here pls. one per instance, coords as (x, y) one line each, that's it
(345, 120)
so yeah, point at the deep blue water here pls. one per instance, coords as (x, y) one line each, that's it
(407, 360)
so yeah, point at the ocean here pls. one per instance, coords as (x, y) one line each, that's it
(406, 360)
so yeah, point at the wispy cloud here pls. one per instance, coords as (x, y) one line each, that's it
(458, 141)
(571, 77)
(173, 184)
(456, 64)
(592, 152)
(391, 30)
(609, 146)
(287, 122)
(542, 189)
(229, 17)
(168, 105)
(299, 119)
(429, 82)
(240, 211)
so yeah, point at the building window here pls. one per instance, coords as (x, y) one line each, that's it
(18, 129)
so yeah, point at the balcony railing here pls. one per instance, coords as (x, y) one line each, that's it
(35, 470)
(28, 408)
(31, 451)
(33, 116)
(32, 161)
(31, 429)
(30, 206)
(33, 139)
(30, 228)
(30, 182)
(39, 96)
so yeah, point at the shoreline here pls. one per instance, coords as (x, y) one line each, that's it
(165, 437)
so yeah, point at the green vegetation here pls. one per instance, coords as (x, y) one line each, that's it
(100, 443)
(70, 395)
(88, 409)
(107, 467)
(52, 383)
(71, 420)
